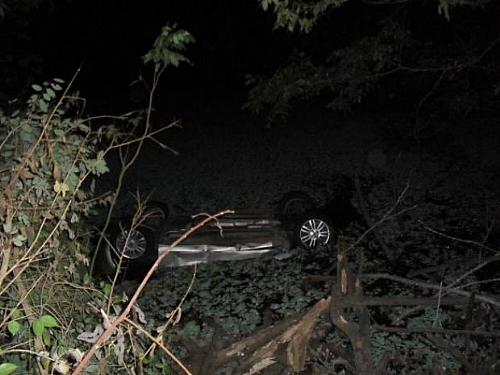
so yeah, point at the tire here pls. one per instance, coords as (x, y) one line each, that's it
(156, 215)
(313, 230)
(140, 253)
(294, 205)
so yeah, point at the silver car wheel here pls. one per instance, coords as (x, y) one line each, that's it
(135, 243)
(314, 232)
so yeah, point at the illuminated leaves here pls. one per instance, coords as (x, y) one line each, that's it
(61, 187)
(14, 327)
(7, 368)
(168, 48)
(41, 326)
(41, 183)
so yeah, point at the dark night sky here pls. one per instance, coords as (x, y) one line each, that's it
(233, 38)
(109, 37)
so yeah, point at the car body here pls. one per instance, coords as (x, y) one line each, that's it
(239, 236)
(132, 245)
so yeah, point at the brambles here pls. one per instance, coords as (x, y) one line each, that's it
(49, 158)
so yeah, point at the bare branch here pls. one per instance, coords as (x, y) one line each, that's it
(422, 284)
(453, 238)
(441, 331)
(389, 214)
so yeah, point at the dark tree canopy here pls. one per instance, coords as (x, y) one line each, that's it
(438, 59)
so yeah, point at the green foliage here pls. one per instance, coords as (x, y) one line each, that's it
(7, 368)
(348, 75)
(191, 328)
(9, 7)
(235, 297)
(37, 328)
(299, 79)
(14, 327)
(299, 14)
(168, 49)
(50, 159)
(41, 328)
(422, 353)
(397, 55)
(302, 15)
(49, 156)
(158, 364)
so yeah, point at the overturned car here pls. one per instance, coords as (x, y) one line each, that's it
(132, 245)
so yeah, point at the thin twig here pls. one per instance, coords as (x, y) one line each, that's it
(422, 101)
(173, 314)
(129, 161)
(160, 344)
(475, 269)
(438, 307)
(442, 331)
(387, 215)
(423, 284)
(470, 242)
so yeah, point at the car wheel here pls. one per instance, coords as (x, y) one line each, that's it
(156, 214)
(134, 250)
(294, 205)
(314, 230)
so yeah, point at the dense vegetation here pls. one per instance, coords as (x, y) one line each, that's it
(408, 287)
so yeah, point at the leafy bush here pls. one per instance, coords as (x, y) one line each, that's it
(49, 157)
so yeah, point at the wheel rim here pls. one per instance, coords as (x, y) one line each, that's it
(314, 232)
(135, 243)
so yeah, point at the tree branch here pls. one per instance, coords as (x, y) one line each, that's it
(103, 338)
(423, 284)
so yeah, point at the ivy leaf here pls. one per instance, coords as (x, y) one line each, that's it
(46, 338)
(36, 87)
(7, 368)
(37, 328)
(14, 327)
(19, 240)
(100, 167)
(49, 321)
(191, 329)
(61, 187)
(8, 228)
(51, 93)
(59, 132)
(42, 104)
(106, 289)
(56, 86)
